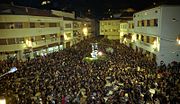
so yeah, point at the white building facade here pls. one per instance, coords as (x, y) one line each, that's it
(157, 32)
(29, 32)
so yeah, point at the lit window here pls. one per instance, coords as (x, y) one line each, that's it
(178, 40)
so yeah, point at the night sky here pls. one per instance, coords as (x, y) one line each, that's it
(93, 8)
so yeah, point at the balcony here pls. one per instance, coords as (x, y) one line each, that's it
(26, 32)
(12, 47)
(147, 46)
(45, 42)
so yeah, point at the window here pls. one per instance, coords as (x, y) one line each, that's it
(11, 41)
(155, 22)
(53, 37)
(137, 37)
(32, 25)
(3, 42)
(142, 38)
(115, 30)
(152, 39)
(152, 22)
(42, 25)
(32, 39)
(19, 40)
(62, 37)
(43, 37)
(129, 25)
(38, 38)
(68, 25)
(133, 25)
(148, 22)
(139, 23)
(18, 25)
(142, 23)
(52, 25)
(148, 39)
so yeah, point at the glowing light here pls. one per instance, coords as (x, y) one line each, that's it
(152, 91)
(2, 101)
(65, 37)
(156, 44)
(178, 40)
(121, 34)
(45, 2)
(133, 38)
(28, 43)
(125, 40)
(100, 53)
(85, 31)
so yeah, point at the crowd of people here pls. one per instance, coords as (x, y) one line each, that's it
(126, 77)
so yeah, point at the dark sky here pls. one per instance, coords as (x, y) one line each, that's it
(98, 8)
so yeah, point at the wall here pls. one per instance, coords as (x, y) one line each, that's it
(170, 50)
(154, 13)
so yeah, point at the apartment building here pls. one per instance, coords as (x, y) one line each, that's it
(157, 32)
(27, 32)
(154, 32)
(110, 28)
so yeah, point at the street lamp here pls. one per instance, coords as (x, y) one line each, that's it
(12, 70)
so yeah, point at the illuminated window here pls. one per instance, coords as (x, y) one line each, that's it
(178, 40)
